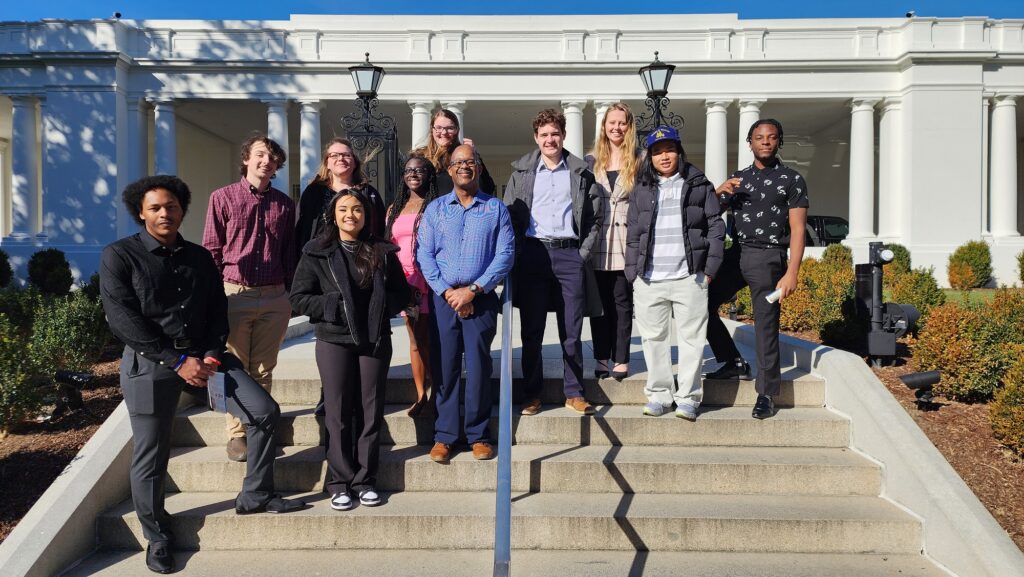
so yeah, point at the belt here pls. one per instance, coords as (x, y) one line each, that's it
(181, 344)
(560, 242)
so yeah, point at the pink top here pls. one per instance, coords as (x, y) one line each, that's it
(403, 235)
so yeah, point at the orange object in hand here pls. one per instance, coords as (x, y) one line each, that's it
(211, 361)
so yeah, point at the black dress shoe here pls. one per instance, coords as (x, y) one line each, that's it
(159, 558)
(737, 369)
(276, 504)
(763, 408)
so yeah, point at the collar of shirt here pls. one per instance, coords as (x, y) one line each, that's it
(479, 198)
(769, 167)
(560, 166)
(669, 181)
(153, 245)
(255, 191)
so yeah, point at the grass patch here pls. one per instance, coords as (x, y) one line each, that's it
(982, 295)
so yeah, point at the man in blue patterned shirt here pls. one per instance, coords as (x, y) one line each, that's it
(464, 247)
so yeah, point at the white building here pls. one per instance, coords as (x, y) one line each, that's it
(906, 127)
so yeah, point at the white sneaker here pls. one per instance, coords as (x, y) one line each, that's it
(654, 410)
(342, 502)
(686, 412)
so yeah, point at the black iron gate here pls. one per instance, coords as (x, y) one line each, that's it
(374, 138)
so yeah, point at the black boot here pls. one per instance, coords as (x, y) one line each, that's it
(735, 369)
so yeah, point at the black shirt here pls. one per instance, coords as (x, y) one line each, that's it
(154, 295)
(761, 204)
(360, 296)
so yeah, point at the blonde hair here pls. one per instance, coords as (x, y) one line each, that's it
(628, 149)
(323, 175)
(439, 155)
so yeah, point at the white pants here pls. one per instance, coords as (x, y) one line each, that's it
(656, 304)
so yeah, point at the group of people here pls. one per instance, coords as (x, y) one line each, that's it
(632, 230)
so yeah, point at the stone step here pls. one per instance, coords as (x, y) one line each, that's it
(612, 425)
(798, 389)
(563, 469)
(582, 522)
(462, 563)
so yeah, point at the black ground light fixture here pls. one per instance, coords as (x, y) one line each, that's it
(921, 384)
(889, 321)
(656, 77)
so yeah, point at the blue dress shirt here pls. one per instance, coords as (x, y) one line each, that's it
(551, 213)
(458, 246)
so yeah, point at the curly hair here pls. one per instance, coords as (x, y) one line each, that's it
(403, 198)
(770, 121)
(136, 191)
(277, 153)
(549, 116)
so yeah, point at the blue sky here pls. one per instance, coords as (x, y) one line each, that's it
(280, 9)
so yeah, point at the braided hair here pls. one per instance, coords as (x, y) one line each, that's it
(402, 198)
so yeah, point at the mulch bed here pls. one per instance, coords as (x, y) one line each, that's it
(33, 456)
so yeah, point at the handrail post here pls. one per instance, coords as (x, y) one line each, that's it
(503, 494)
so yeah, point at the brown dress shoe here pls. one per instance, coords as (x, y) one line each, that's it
(531, 407)
(482, 451)
(237, 449)
(580, 405)
(441, 453)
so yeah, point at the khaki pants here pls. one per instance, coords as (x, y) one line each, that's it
(257, 320)
(656, 305)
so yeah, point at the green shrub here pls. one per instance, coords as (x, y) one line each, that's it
(900, 263)
(92, 288)
(960, 342)
(919, 288)
(1020, 267)
(20, 307)
(50, 272)
(744, 306)
(20, 393)
(1006, 412)
(970, 266)
(69, 333)
(838, 255)
(6, 272)
(799, 311)
(1005, 312)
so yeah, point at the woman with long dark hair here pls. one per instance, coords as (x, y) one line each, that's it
(340, 168)
(441, 142)
(615, 162)
(350, 283)
(418, 189)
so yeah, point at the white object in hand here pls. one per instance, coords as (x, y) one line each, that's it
(774, 296)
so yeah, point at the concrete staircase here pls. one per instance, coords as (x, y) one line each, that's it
(613, 494)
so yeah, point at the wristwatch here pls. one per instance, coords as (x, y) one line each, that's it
(475, 289)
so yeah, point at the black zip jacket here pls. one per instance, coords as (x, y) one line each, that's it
(321, 291)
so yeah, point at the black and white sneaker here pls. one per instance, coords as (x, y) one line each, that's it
(369, 497)
(342, 502)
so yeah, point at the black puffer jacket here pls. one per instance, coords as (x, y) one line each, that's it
(705, 230)
(321, 291)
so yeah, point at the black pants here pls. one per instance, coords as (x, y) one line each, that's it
(760, 269)
(353, 382)
(550, 279)
(151, 393)
(612, 330)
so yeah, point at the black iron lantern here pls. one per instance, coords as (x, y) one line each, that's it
(367, 78)
(656, 76)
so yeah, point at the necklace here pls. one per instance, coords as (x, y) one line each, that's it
(350, 246)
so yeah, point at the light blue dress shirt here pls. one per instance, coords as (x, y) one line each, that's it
(458, 246)
(551, 213)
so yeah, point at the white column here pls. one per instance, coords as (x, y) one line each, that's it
(890, 170)
(862, 168)
(309, 140)
(573, 110)
(24, 169)
(750, 112)
(138, 127)
(986, 143)
(166, 153)
(600, 107)
(716, 141)
(1003, 200)
(4, 194)
(421, 122)
(457, 107)
(277, 130)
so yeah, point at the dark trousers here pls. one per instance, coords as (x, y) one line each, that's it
(761, 269)
(550, 278)
(612, 330)
(453, 339)
(151, 392)
(353, 379)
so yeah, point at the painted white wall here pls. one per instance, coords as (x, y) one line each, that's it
(206, 162)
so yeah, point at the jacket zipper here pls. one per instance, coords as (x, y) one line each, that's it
(344, 306)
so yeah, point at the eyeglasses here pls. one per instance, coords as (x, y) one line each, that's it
(469, 162)
(337, 155)
(445, 129)
(416, 171)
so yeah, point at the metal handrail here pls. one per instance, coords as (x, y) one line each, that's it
(503, 494)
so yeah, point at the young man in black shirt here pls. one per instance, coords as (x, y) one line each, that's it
(163, 298)
(769, 205)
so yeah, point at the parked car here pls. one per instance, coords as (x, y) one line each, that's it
(826, 230)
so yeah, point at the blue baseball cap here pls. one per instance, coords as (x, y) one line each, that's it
(662, 133)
